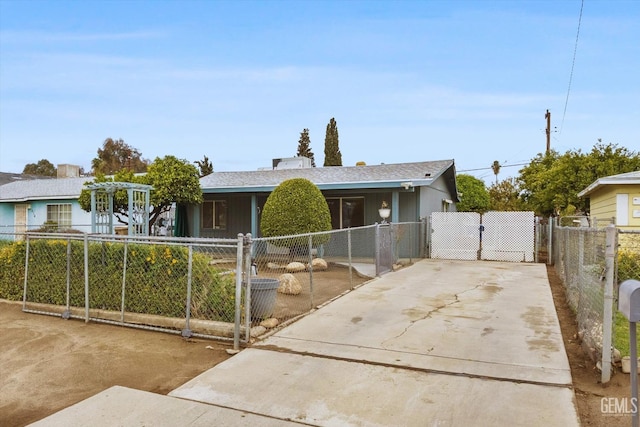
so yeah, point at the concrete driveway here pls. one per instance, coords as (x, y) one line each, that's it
(442, 343)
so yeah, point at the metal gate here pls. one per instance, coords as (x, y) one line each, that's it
(495, 236)
(384, 248)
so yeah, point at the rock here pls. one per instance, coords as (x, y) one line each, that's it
(318, 264)
(294, 267)
(616, 356)
(289, 284)
(270, 323)
(274, 266)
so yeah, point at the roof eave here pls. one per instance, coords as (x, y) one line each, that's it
(400, 184)
(604, 181)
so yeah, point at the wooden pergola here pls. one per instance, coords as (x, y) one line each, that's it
(138, 196)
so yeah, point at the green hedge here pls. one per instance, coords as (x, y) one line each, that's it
(155, 283)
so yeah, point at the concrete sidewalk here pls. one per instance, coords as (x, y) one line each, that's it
(447, 343)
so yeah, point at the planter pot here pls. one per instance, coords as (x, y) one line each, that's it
(384, 213)
(626, 365)
(263, 297)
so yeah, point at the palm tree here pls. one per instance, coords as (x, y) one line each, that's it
(496, 169)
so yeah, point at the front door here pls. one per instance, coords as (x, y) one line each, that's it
(20, 221)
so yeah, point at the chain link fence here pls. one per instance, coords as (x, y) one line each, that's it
(192, 286)
(579, 259)
(183, 286)
(592, 263)
(307, 271)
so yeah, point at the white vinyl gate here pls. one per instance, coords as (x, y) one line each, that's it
(495, 236)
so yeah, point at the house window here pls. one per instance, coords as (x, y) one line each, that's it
(214, 214)
(59, 215)
(346, 212)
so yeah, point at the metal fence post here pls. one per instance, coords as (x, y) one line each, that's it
(607, 320)
(246, 255)
(86, 278)
(26, 273)
(377, 250)
(236, 326)
(349, 255)
(66, 314)
(550, 237)
(311, 269)
(427, 237)
(580, 267)
(186, 332)
(537, 240)
(124, 280)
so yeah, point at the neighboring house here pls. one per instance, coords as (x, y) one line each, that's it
(7, 177)
(615, 198)
(233, 201)
(31, 204)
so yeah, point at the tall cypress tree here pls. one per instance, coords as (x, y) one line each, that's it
(332, 155)
(304, 147)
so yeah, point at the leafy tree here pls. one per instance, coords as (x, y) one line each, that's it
(304, 147)
(332, 155)
(173, 180)
(474, 196)
(205, 166)
(116, 155)
(550, 183)
(43, 168)
(505, 196)
(534, 179)
(296, 206)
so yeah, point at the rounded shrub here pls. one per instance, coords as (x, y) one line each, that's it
(296, 206)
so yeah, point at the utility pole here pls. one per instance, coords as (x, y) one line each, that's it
(548, 117)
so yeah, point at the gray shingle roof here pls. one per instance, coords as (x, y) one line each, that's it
(374, 176)
(419, 173)
(42, 189)
(7, 177)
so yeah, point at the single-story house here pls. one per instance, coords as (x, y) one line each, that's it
(31, 204)
(615, 198)
(233, 201)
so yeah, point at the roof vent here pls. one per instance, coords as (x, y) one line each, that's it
(427, 175)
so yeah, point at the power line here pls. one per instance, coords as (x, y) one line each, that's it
(573, 63)
(502, 166)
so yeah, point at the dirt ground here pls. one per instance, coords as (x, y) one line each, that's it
(47, 363)
(589, 391)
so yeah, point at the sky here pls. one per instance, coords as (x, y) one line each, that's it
(238, 81)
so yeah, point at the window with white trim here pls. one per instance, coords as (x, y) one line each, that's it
(60, 215)
(346, 212)
(214, 214)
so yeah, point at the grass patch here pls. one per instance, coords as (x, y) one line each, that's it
(621, 335)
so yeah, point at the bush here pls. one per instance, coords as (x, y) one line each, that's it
(628, 265)
(155, 282)
(296, 206)
(628, 268)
